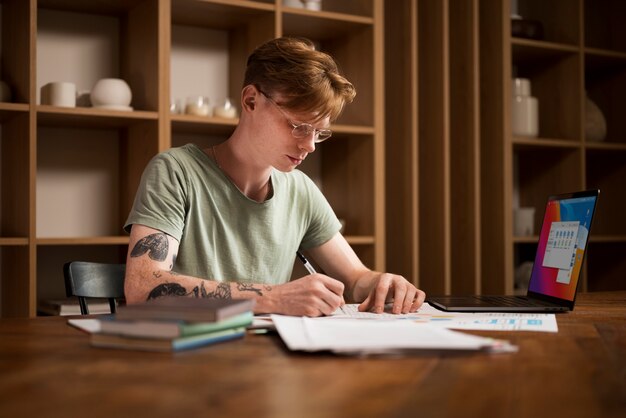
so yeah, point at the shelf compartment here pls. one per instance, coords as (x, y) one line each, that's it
(606, 87)
(342, 167)
(15, 176)
(606, 266)
(212, 41)
(84, 43)
(87, 178)
(607, 172)
(51, 258)
(15, 287)
(555, 76)
(17, 48)
(604, 24)
(544, 172)
(351, 46)
(560, 19)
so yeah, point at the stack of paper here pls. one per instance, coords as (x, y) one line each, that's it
(354, 336)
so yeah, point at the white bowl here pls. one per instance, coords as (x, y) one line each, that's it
(111, 92)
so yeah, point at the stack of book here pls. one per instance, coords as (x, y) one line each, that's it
(174, 323)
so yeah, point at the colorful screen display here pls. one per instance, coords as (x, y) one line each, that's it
(562, 244)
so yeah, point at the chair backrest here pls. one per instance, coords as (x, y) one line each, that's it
(94, 280)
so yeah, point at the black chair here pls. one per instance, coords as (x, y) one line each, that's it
(94, 280)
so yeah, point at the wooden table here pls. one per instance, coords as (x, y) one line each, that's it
(48, 369)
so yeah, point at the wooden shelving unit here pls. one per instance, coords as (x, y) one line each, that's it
(454, 167)
(350, 168)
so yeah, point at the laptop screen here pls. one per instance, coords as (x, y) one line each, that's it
(562, 244)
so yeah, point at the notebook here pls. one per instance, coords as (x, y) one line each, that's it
(558, 261)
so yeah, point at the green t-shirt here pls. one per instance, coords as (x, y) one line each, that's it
(223, 234)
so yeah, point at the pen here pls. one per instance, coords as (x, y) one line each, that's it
(311, 270)
(306, 263)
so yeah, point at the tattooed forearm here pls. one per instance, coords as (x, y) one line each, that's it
(247, 287)
(155, 245)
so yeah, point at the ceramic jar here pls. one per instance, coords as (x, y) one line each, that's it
(525, 109)
(111, 93)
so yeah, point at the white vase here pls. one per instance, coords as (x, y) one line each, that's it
(525, 109)
(111, 93)
(595, 122)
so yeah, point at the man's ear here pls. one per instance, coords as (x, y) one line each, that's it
(249, 96)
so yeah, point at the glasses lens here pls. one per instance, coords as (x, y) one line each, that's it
(323, 135)
(302, 131)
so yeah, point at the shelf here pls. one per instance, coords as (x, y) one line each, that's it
(322, 25)
(594, 238)
(529, 143)
(109, 7)
(526, 240)
(88, 117)
(221, 14)
(531, 50)
(10, 241)
(111, 240)
(605, 146)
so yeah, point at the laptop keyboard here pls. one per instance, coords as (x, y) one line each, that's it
(511, 301)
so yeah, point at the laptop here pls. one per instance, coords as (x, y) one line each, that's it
(558, 261)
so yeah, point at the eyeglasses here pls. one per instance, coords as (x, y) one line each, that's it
(302, 130)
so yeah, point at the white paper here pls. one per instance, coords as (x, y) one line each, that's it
(481, 321)
(375, 337)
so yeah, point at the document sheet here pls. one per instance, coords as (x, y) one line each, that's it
(357, 336)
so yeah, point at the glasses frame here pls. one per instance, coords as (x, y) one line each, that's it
(320, 135)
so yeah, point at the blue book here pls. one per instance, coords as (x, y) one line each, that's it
(165, 345)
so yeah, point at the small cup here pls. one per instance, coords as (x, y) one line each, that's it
(176, 107)
(312, 4)
(59, 93)
(198, 105)
(524, 221)
(226, 110)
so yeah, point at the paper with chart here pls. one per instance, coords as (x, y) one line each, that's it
(356, 336)
(484, 321)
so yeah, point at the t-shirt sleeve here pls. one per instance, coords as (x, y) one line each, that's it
(161, 196)
(323, 223)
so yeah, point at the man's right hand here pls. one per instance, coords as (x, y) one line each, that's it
(311, 295)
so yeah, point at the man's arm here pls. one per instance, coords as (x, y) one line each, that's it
(371, 288)
(152, 255)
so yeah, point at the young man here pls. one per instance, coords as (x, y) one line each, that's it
(226, 221)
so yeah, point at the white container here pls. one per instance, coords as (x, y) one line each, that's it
(312, 4)
(524, 221)
(111, 93)
(226, 110)
(525, 109)
(198, 105)
(293, 3)
(59, 93)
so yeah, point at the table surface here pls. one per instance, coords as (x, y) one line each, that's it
(48, 369)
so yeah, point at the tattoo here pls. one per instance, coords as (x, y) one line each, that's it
(167, 289)
(247, 287)
(157, 274)
(173, 261)
(222, 291)
(155, 245)
(267, 287)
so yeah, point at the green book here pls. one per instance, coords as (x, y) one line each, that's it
(165, 344)
(170, 329)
